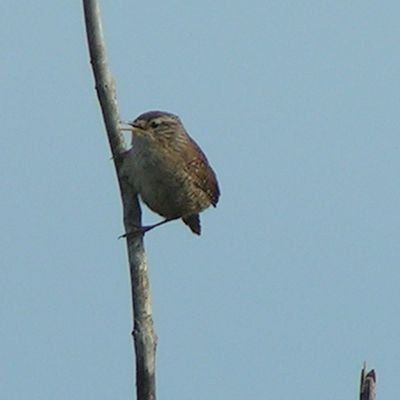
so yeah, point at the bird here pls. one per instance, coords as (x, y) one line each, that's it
(169, 171)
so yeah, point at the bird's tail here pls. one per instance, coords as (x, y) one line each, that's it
(193, 222)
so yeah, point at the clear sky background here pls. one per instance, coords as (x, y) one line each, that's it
(295, 280)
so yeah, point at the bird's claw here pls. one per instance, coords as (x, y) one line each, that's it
(135, 231)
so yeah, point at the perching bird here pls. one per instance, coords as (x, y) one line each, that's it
(169, 170)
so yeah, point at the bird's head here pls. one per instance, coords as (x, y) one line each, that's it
(156, 125)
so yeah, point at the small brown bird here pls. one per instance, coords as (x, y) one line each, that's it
(169, 170)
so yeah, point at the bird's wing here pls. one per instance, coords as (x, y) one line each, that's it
(203, 175)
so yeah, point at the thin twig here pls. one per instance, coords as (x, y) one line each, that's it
(143, 331)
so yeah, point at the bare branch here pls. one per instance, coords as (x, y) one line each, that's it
(143, 331)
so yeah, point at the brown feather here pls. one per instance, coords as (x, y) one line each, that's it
(203, 175)
(193, 222)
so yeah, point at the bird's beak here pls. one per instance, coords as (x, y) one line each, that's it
(126, 126)
(130, 126)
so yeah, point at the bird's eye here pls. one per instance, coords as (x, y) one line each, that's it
(154, 124)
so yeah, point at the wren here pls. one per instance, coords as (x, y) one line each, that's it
(168, 170)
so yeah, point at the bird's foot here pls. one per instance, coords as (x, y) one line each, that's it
(141, 230)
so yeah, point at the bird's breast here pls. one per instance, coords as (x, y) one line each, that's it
(164, 184)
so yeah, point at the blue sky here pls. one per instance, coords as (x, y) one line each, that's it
(295, 280)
